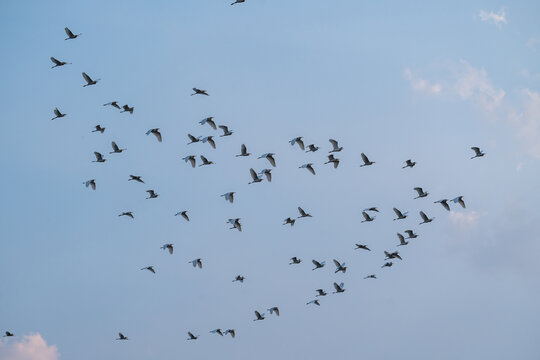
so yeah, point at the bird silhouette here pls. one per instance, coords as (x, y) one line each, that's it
(156, 133)
(477, 152)
(89, 80)
(209, 121)
(58, 63)
(70, 34)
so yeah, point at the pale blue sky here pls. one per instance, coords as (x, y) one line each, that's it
(396, 80)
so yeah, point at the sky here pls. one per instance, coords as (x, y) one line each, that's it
(396, 80)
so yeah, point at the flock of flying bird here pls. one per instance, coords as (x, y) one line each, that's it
(368, 214)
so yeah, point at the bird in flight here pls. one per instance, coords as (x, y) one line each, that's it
(226, 131)
(409, 163)
(183, 214)
(57, 62)
(402, 241)
(258, 316)
(199, 92)
(193, 139)
(425, 218)
(317, 264)
(254, 176)
(128, 214)
(8, 334)
(333, 160)
(295, 260)
(168, 247)
(149, 268)
(121, 336)
(477, 152)
(267, 173)
(366, 160)
(127, 108)
(235, 224)
(303, 214)
(57, 114)
(335, 146)
(459, 200)
(91, 183)
(191, 159)
(400, 215)
(196, 262)
(367, 217)
(99, 129)
(243, 151)
(297, 140)
(229, 196)
(205, 161)
(113, 104)
(339, 267)
(191, 336)
(308, 166)
(210, 121)
(210, 140)
(239, 278)
(289, 221)
(116, 149)
(135, 178)
(339, 288)
(360, 246)
(70, 34)
(273, 310)
(411, 234)
(89, 80)
(372, 276)
(269, 157)
(444, 203)
(315, 302)
(99, 157)
(156, 133)
(312, 148)
(373, 208)
(230, 331)
(238, 2)
(217, 331)
(152, 194)
(321, 292)
(421, 192)
(387, 264)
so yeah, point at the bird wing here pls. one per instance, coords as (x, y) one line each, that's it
(271, 159)
(423, 215)
(364, 158)
(334, 143)
(203, 159)
(398, 213)
(224, 128)
(243, 149)
(401, 238)
(300, 143)
(158, 134)
(316, 263)
(184, 215)
(114, 146)
(87, 78)
(366, 215)
(337, 263)
(68, 32)
(311, 169)
(55, 61)
(212, 123)
(336, 286)
(476, 150)
(419, 190)
(276, 309)
(301, 211)
(57, 112)
(98, 155)
(253, 174)
(192, 161)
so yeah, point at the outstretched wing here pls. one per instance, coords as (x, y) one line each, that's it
(87, 78)
(68, 32)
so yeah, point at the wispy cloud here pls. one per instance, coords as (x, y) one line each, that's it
(473, 83)
(420, 84)
(496, 18)
(29, 347)
(533, 43)
(464, 221)
(527, 122)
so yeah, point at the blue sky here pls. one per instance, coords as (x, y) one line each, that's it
(393, 80)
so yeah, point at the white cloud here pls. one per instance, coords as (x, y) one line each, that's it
(29, 347)
(420, 84)
(533, 43)
(527, 122)
(495, 18)
(473, 83)
(464, 221)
